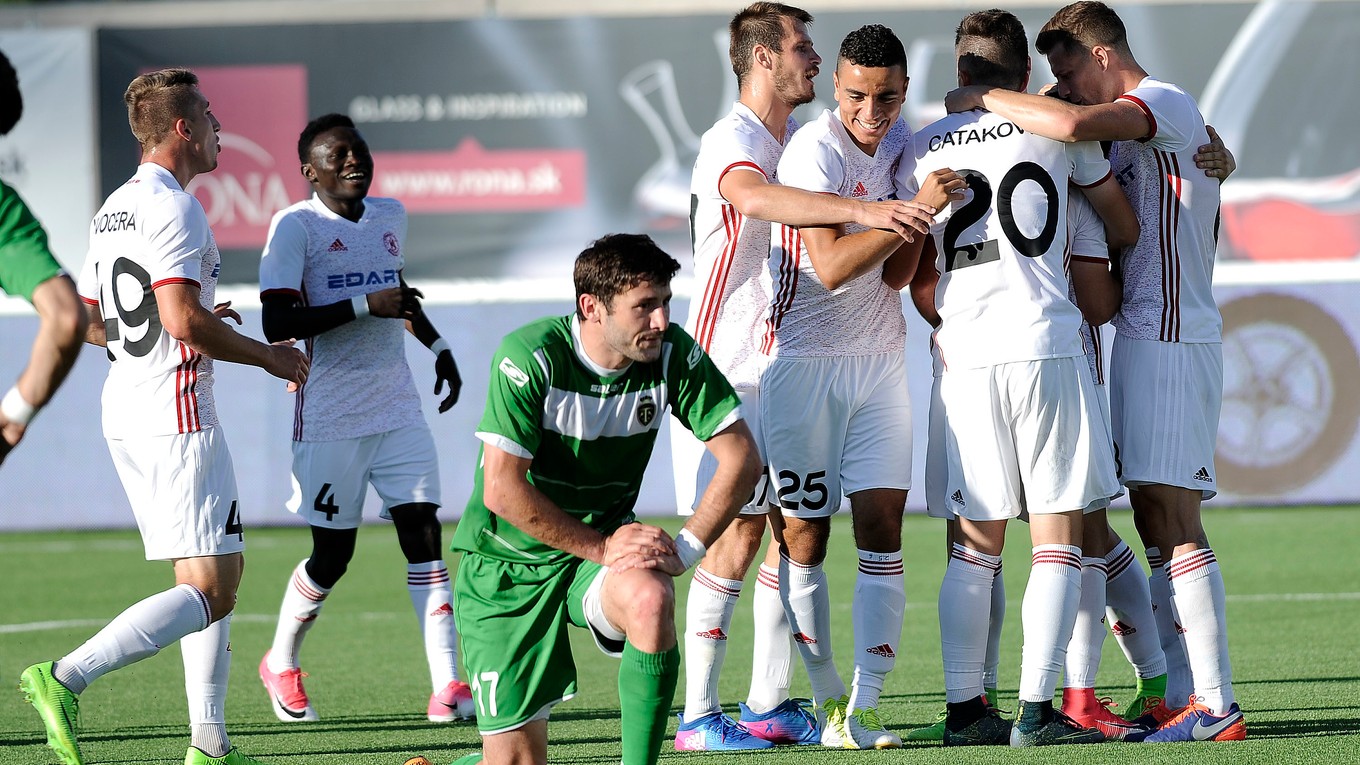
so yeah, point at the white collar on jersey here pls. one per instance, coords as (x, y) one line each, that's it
(580, 349)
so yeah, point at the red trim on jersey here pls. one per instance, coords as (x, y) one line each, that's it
(734, 166)
(186, 381)
(89, 301)
(1091, 259)
(1152, 121)
(1169, 189)
(1108, 175)
(791, 243)
(174, 280)
(280, 291)
(715, 288)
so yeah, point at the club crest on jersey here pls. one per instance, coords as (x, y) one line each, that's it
(391, 243)
(646, 411)
(516, 375)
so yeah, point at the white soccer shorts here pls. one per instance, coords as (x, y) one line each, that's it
(182, 489)
(1024, 436)
(1164, 406)
(694, 465)
(331, 478)
(835, 426)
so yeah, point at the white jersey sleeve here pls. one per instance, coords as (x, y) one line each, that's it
(285, 256)
(819, 166)
(1088, 164)
(1086, 243)
(177, 236)
(1171, 115)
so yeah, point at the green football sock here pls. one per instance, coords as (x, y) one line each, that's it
(646, 689)
(1152, 686)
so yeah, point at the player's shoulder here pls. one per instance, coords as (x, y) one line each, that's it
(1164, 97)
(386, 206)
(547, 334)
(295, 212)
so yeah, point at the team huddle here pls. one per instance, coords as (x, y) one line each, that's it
(1018, 224)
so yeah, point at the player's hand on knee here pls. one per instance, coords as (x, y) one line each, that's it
(636, 539)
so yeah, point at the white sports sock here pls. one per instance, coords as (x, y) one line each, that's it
(1088, 630)
(1128, 609)
(432, 599)
(141, 631)
(880, 601)
(772, 646)
(302, 602)
(708, 617)
(807, 602)
(1047, 615)
(207, 664)
(965, 610)
(992, 662)
(1179, 685)
(1201, 603)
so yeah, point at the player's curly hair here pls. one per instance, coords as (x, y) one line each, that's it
(616, 263)
(11, 100)
(315, 128)
(758, 24)
(992, 49)
(156, 100)
(1083, 25)
(874, 46)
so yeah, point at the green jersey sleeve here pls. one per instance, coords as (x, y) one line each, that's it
(512, 420)
(25, 260)
(702, 399)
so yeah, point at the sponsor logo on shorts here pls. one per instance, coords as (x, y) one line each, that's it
(516, 375)
(804, 638)
(1120, 629)
(714, 634)
(884, 650)
(1203, 475)
(646, 411)
(957, 497)
(1179, 629)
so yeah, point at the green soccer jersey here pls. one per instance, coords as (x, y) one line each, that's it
(25, 260)
(589, 434)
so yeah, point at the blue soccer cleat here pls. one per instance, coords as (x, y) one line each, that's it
(715, 731)
(1196, 723)
(789, 723)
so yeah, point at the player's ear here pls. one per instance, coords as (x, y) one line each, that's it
(1102, 56)
(183, 130)
(308, 173)
(1029, 69)
(762, 57)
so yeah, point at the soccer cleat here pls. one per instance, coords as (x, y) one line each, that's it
(932, 732)
(989, 730)
(1155, 712)
(714, 732)
(1099, 717)
(788, 723)
(863, 729)
(195, 756)
(1060, 729)
(286, 694)
(58, 708)
(453, 703)
(1196, 723)
(831, 721)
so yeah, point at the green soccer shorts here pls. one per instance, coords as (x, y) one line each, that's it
(512, 625)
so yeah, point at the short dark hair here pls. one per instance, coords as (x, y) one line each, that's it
(992, 49)
(616, 263)
(11, 100)
(315, 128)
(156, 100)
(874, 46)
(1083, 25)
(758, 24)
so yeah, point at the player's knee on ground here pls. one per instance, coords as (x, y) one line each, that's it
(332, 550)
(418, 531)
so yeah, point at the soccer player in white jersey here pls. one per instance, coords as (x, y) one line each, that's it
(149, 281)
(735, 196)
(834, 402)
(1166, 365)
(331, 273)
(1020, 430)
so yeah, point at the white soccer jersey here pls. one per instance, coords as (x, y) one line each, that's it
(150, 233)
(729, 248)
(1002, 294)
(859, 318)
(360, 383)
(1086, 242)
(1168, 275)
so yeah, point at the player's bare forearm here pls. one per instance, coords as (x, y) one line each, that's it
(61, 330)
(733, 482)
(1110, 203)
(901, 266)
(1098, 293)
(839, 258)
(1051, 117)
(186, 320)
(94, 331)
(754, 197)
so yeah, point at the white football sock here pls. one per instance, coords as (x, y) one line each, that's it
(708, 617)
(965, 610)
(1179, 685)
(772, 647)
(207, 665)
(807, 602)
(1201, 603)
(141, 631)
(1047, 614)
(992, 662)
(1128, 609)
(432, 599)
(1088, 630)
(880, 601)
(302, 602)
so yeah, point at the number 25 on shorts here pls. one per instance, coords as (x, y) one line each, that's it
(813, 488)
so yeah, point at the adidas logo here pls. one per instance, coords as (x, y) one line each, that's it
(804, 639)
(859, 191)
(884, 650)
(957, 496)
(305, 619)
(1120, 629)
(714, 634)
(1203, 475)
(337, 246)
(443, 610)
(1179, 629)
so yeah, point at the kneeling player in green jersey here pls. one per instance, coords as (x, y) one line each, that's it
(549, 537)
